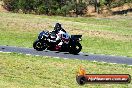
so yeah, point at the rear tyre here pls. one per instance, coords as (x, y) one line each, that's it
(39, 46)
(75, 49)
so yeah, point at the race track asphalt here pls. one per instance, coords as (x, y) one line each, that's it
(65, 55)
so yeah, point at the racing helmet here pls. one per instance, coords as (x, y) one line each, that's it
(57, 27)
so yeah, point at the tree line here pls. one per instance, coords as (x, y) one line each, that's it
(58, 7)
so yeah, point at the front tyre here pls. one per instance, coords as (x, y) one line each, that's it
(75, 49)
(38, 45)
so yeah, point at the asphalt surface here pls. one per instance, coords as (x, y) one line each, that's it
(65, 55)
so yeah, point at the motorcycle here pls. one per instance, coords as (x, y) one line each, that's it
(46, 38)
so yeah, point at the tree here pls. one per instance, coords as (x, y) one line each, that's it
(97, 5)
(11, 5)
(53, 7)
(27, 6)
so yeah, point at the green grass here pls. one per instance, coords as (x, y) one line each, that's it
(105, 46)
(101, 36)
(121, 26)
(21, 71)
(17, 39)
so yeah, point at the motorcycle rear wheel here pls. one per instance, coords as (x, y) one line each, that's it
(75, 49)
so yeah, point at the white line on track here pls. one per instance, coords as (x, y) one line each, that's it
(130, 65)
(94, 61)
(28, 54)
(65, 58)
(6, 52)
(37, 55)
(113, 63)
(57, 57)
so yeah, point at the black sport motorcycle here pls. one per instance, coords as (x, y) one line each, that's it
(44, 42)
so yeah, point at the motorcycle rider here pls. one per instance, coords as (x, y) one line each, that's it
(62, 36)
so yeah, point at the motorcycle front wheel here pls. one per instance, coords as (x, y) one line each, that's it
(39, 46)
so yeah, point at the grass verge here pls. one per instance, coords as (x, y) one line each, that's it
(21, 71)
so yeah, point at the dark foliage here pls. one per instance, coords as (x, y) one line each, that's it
(57, 7)
(53, 7)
